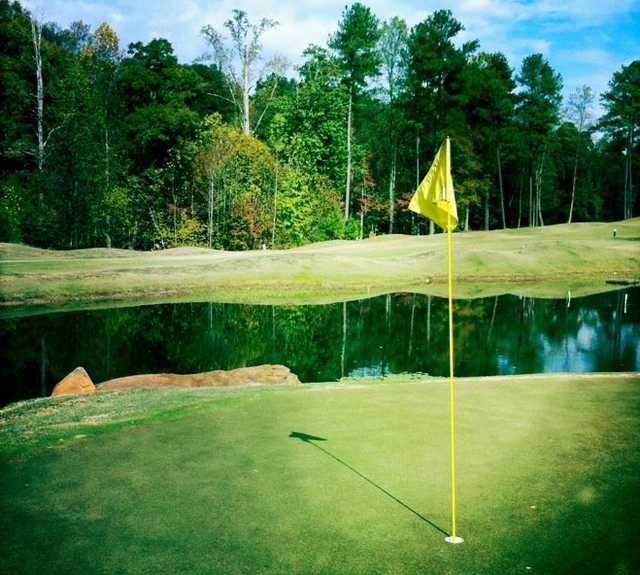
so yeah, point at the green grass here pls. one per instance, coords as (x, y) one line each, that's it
(534, 262)
(209, 481)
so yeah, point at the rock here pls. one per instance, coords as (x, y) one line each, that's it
(75, 383)
(257, 375)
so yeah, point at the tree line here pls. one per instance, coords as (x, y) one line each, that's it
(101, 146)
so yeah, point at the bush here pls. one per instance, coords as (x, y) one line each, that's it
(10, 214)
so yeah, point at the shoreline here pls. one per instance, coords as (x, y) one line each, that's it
(582, 285)
(542, 262)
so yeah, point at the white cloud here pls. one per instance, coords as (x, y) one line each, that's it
(64, 12)
(589, 56)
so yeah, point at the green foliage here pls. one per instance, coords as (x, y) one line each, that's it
(180, 229)
(434, 70)
(117, 211)
(308, 209)
(488, 87)
(622, 122)
(16, 120)
(622, 100)
(235, 173)
(156, 93)
(355, 43)
(351, 230)
(10, 214)
(309, 129)
(127, 162)
(248, 186)
(393, 53)
(539, 100)
(472, 183)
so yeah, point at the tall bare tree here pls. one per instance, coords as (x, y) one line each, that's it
(239, 63)
(36, 36)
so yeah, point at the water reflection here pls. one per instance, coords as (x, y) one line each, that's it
(388, 334)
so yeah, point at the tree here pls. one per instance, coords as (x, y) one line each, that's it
(157, 93)
(576, 195)
(102, 57)
(434, 81)
(579, 112)
(435, 66)
(622, 102)
(538, 112)
(159, 118)
(217, 147)
(36, 35)
(99, 146)
(237, 172)
(17, 121)
(267, 92)
(355, 43)
(311, 126)
(393, 49)
(488, 88)
(308, 208)
(241, 77)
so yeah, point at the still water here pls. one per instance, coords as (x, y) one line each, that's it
(387, 334)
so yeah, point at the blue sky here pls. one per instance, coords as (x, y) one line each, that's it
(585, 40)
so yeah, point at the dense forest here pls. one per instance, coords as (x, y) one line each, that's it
(102, 146)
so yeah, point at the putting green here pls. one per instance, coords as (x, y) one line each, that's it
(213, 482)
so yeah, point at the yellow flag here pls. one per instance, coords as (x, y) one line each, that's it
(434, 197)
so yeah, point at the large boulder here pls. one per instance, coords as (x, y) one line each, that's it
(260, 374)
(75, 383)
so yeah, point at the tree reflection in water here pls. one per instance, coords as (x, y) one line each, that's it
(387, 334)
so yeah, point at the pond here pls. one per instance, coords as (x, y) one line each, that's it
(388, 334)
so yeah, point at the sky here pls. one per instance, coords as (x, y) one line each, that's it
(585, 40)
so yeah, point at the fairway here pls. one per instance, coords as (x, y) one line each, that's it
(538, 262)
(209, 481)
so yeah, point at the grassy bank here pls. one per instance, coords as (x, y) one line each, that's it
(535, 262)
(210, 481)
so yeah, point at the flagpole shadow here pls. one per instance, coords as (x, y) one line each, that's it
(311, 439)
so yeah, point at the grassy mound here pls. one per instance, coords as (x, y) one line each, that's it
(537, 262)
(211, 481)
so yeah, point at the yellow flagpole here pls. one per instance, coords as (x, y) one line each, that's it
(453, 538)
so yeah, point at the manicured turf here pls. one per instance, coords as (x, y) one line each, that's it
(209, 481)
(542, 262)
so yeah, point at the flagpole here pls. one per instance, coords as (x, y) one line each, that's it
(434, 196)
(453, 538)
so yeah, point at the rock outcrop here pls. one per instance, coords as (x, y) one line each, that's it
(75, 383)
(260, 374)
